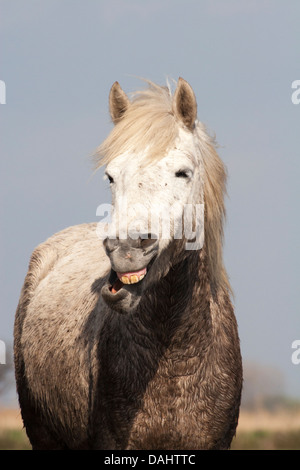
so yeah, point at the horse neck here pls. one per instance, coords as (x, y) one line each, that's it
(169, 334)
(180, 302)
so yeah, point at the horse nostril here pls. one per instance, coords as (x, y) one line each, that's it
(148, 240)
(145, 241)
(110, 244)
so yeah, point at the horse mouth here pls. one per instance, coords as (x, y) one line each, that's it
(130, 279)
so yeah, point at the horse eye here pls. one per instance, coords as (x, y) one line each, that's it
(182, 174)
(110, 178)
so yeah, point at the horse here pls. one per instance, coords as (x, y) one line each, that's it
(125, 336)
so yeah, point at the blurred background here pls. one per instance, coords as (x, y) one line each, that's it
(58, 60)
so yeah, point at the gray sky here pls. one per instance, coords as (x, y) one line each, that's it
(58, 60)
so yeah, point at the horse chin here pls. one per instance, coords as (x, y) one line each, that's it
(124, 300)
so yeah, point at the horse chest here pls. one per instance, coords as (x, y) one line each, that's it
(161, 422)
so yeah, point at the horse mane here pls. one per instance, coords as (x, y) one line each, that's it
(149, 126)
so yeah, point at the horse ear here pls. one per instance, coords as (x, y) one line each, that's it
(184, 103)
(118, 102)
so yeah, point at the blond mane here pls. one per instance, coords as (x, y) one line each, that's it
(149, 125)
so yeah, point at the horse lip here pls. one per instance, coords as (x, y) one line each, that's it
(119, 295)
(126, 289)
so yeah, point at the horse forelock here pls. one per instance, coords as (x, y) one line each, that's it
(148, 127)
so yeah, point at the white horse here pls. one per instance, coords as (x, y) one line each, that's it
(135, 345)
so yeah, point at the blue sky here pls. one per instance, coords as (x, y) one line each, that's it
(58, 60)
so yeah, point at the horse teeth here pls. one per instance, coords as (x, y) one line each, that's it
(133, 279)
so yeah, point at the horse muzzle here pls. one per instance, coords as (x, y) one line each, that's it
(131, 260)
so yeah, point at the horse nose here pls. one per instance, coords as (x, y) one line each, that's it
(145, 242)
(110, 244)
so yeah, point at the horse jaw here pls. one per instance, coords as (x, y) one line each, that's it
(122, 297)
(129, 296)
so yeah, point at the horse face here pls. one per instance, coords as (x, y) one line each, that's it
(153, 219)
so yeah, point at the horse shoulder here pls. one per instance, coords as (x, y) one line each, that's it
(57, 323)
